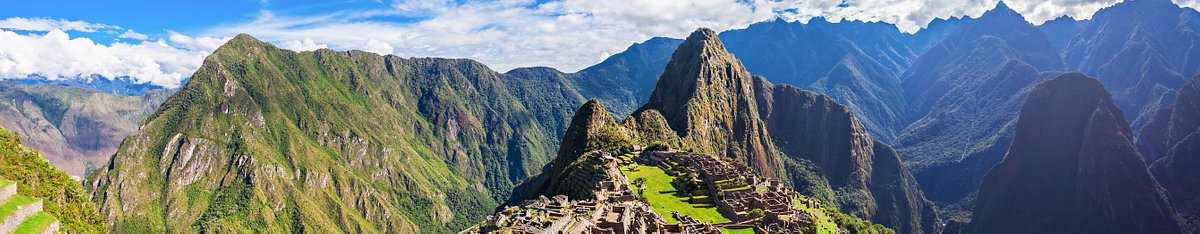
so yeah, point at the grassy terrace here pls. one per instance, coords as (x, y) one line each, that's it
(35, 224)
(11, 205)
(664, 198)
(5, 183)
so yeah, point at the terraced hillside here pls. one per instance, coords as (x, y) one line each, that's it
(21, 214)
(35, 196)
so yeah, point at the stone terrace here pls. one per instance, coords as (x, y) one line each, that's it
(21, 214)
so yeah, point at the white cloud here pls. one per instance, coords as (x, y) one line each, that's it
(567, 34)
(379, 47)
(302, 45)
(572, 34)
(57, 56)
(197, 43)
(130, 34)
(505, 34)
(45, 25)
(422, 7)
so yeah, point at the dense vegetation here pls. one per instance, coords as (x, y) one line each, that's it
(35, 177)
(267, 139)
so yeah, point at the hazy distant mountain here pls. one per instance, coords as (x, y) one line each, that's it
(1060, 31)
(1171, 143)
(1138, 49)
(964, 95)
(856, 63)
(123, 85)
(73, 127)
(933, 33)
(623, 82)
(1072, 168)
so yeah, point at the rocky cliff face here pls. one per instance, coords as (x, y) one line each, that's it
(1072, 168)
(73, 127)
(715, 106)
(267, 139)
(1170, 125)
(1171, 143)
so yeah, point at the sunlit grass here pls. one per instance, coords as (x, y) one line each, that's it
(664, 198)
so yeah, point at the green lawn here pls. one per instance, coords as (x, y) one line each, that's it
(663, 197)
(35, 224)
(5, 183)
(737, 231)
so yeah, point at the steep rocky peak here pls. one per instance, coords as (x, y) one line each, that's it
(1003, 14)
(594, 113)
(702, 44)
(240, 42)
(701, 71)
(1001, 9)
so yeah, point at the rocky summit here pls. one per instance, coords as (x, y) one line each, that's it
(714, 106)
(1072, 168)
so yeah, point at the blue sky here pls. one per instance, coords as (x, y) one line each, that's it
(163, 42)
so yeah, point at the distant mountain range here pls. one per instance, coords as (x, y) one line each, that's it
(265, 138)
(123, 85)
(948, 96)
(75, 128)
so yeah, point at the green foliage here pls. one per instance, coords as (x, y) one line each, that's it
(855, 225)
(231, 202)
(756, 213)
(35, 177)
(323, 141)
(658, 146)
(610, 139)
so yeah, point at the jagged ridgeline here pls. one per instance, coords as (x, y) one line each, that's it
(706, 102)
(264, 139)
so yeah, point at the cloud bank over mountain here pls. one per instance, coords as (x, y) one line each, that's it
(504, 34)
(55, 55)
